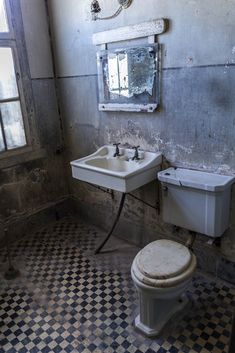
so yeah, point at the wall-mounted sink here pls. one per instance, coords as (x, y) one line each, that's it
(117, 173)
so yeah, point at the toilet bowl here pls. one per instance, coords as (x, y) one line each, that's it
(161, 272)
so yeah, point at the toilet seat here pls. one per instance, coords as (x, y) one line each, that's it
(164, 263)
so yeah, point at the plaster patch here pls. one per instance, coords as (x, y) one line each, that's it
(174, 153)
(138, 141)
(187, 150)
(219, 156)
(176, 147)
(224, 169)
(134, 139)
(226, 153)
(38, 175)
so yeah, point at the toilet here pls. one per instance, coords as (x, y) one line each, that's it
(162, 270)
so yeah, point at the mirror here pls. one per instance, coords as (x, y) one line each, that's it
(128, 78)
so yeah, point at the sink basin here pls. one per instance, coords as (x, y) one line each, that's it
(117, 173)
(111, 164)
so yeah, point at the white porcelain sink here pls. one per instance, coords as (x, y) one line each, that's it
(117, 173)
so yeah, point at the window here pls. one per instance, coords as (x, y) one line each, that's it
(13, 127)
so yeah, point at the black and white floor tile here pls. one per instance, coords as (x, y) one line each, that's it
(69, 300)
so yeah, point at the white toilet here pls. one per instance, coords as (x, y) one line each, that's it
(162, 270)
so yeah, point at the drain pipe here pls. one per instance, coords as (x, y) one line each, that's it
(11, 272)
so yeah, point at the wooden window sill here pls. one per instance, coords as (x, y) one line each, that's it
(19, 156)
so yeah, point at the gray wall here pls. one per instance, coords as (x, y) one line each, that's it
(29, 186)
(195, 125)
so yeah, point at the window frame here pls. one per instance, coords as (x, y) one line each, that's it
(12, 45)
(15, 40)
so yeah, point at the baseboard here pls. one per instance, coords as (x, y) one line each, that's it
(20, 225)
(210, 259)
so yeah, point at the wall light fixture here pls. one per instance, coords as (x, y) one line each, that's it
(96, 9)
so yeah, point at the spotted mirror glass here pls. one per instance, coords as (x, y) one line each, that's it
(128, 78)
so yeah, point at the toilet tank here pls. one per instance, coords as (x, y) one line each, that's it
(196, 200)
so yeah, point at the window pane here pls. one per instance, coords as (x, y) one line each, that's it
(8, 85)
(2, 147)
(13, 124)
(3, 17)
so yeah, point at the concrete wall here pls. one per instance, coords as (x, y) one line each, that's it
(195, 125)
(29, 186)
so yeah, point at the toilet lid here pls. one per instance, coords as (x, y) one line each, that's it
(163, 259)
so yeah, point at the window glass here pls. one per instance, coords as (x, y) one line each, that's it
(12, 128)
(13, 124)
(8, 85)
(3, 17)
(2, 147)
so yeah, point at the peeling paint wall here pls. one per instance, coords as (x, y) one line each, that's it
(26, 187)
(195, 125)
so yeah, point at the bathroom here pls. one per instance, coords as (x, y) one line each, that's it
(61, 297)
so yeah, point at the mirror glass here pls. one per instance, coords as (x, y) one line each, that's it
(128, 75)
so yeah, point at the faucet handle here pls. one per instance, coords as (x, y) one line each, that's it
(135, 147)
(117, 152)
(136, 155)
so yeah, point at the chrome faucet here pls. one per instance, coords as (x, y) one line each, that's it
(117, 152)
(136, 155)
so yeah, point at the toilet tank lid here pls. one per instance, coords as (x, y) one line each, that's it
(196, 179)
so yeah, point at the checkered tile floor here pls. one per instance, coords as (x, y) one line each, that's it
(68, 300)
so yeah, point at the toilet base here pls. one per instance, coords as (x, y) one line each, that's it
(159, 324)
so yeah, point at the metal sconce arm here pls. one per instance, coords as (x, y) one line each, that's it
(95, 9)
